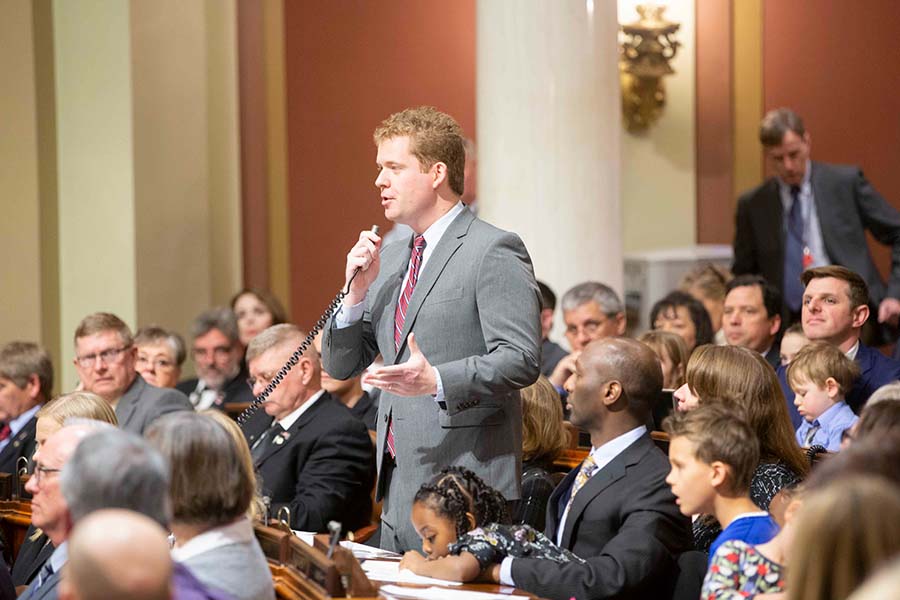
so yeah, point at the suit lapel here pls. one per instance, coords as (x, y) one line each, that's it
(823, 211)
(773, 214)
(11, 450)
(128, 402)
(448, 245)
(290, 435)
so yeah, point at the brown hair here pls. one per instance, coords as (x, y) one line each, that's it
(711, 280)
(257, 508)
(154, 334)
(778, 122)
(858, 292)
(82, 405)
(673, 345)
(543, 434)
(878, 419)
(211, 484)
(433, 137)
(741, 377)
(845, 531)
(276, 308)
(817, 361)
(719, 434)
(102, 322)
(20, 360)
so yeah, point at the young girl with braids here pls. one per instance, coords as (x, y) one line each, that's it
(462, 523)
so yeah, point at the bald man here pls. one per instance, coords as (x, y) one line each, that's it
(117, 554)
(615, 509)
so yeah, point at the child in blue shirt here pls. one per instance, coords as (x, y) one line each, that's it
(714, 453)
(820, 376)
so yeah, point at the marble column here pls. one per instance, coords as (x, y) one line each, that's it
(548, 131)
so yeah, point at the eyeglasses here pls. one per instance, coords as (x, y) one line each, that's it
(107, 357)
(41, 471)
(263, 378)
(158, 364)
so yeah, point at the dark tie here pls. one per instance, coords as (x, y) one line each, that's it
(793, 253)
(5, 432)
(43, 575)
(265, 441)
(813, 430)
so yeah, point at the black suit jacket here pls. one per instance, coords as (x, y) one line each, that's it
(624, 523)
(235, 390)
(32, 556)
(324, 469)
(847, 206)
(773, 356)
(22, 444)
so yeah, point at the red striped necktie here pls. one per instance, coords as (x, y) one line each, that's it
(415, 263)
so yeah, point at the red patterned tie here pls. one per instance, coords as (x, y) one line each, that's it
(5, 432)
(415, 262)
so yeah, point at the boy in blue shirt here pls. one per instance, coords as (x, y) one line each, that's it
(820, 375)
(714, 453)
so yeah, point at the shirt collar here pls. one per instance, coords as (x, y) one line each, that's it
(60, 556)
(853, 351)
(831, 415)
(289, 420)
(239, 532)
(436, 231)
(604, 454)
(804, 185)
(16, 425)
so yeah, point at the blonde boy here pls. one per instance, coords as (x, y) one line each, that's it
(820, 376)
(713, 454)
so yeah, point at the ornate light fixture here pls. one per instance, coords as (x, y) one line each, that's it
(646, 48)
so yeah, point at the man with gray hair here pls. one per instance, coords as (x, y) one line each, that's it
(591, 311)
(311, 454)
(26, 383)
(217, 353)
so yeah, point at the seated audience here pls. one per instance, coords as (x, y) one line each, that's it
(791, 342)
(351, 394)
(544, 437)
(50, 510)
(591, 311)
(551, 352)
(680, 313)
(742, 378)
(217, 352)
(820, 375)
(37, 548)
(257, 509)
(117, 469)
(878, 418)
(753, 316)
(889, 391)
(256, 310)
(463, 525)
(835, 308)
(117, 554)
(615, 511)
(160, 355)
(672, 353)
(105, 361)
(311, 454)
(714, 454)
(26, 383)
(845, 532)
(211, 489)
(707, 284)
(742, 570)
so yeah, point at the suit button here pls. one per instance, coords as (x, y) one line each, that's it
(385, 418)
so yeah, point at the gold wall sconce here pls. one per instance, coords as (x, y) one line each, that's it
(646, 47)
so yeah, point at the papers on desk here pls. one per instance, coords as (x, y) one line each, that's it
(389, 570)
(306, 536)
(436, 593)
(363, 552)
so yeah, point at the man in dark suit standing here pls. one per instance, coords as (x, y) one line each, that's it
(835, 308)
(751, 316)
(105, 360)
(813, 214)
(26, 382)
(615, 510)
(217, 352)
(455, 313)
(312, 455)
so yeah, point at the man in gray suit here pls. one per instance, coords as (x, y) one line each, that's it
(455, 313)
(105, 361)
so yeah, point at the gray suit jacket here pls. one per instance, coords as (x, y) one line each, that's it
(48, 591)
(143, 403)
(476, 315)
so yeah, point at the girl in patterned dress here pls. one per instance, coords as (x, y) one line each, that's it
(463, 525)
(740, 570)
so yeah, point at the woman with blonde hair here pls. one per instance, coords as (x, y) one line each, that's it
(79, 405)
(544, 437)
(741, 377)
(846, 530)
(672, 353)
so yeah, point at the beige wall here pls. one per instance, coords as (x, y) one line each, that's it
(658, 166)
(119, 165)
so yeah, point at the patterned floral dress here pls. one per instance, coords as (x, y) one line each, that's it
(492, 543)
(739, 571)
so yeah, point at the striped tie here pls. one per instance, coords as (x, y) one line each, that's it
(415, 262)
(584, 474)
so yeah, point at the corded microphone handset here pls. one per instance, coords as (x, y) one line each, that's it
(304, 345)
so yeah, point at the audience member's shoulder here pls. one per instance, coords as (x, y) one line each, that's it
(187, 386)
(752, 194)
